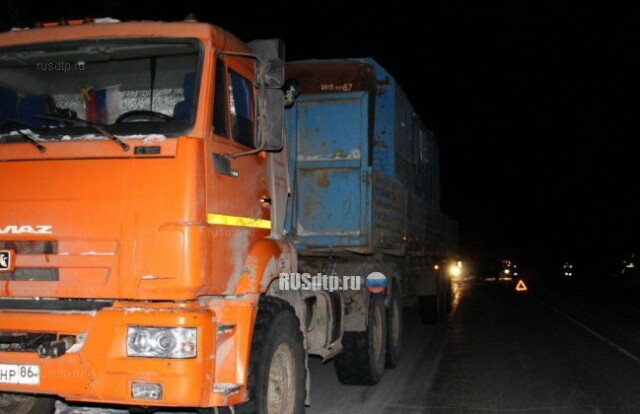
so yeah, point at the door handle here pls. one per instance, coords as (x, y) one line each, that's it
(222, 165)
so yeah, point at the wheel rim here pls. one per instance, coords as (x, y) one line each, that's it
(281, 390)
(377, 333)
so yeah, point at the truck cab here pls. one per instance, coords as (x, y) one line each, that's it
(139, 217)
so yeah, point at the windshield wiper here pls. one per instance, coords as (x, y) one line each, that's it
(32, 140)
(23, 133)
(102, 130)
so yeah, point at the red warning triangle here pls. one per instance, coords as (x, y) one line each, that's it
(521, 287)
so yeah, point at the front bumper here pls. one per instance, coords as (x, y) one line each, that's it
(101, 371)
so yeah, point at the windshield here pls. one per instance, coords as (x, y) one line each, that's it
(132, 87)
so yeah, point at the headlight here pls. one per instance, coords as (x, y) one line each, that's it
(507, 271)
(152, 342)
(454, 271)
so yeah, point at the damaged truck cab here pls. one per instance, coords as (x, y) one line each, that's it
(141, 219)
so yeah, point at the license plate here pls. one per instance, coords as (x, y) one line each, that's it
(19, 374)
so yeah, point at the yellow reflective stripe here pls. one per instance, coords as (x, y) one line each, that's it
(224, 220)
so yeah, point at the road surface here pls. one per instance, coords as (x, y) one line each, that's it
(500, 351)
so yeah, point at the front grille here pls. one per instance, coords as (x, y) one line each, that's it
(74, 305)
(31, 247)
(23, 341)
(25, 274)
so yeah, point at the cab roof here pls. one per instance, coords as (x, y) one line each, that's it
(79, 30)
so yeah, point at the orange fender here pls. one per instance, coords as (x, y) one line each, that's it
(266, 260)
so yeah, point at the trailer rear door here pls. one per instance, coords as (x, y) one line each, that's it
(328, 138)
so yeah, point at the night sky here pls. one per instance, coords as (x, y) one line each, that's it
(534, 105)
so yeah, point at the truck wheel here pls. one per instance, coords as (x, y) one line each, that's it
(277, 374)
(11, 403)
(394, 329)
(428, 309)
(362, 359)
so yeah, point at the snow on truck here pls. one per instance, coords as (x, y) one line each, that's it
(148, 215)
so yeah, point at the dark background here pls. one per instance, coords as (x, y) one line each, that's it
(535, 105)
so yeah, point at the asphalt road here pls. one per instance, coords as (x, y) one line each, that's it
(500, 351)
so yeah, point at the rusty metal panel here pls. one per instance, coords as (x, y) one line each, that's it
(404, 195)
(332, 76)
(332, 190)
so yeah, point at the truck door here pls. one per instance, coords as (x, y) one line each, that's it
(237, 213)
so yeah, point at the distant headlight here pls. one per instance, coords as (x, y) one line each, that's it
(454, 271)
(153, 342)
(507, 271)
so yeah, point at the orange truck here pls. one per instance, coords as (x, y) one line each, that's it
(146, 223)
(141, 219)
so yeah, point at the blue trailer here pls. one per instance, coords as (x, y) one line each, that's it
(365, 198)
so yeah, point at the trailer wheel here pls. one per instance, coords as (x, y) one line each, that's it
(277, 375)
(394, 329)
(362, 359)
(26, 404)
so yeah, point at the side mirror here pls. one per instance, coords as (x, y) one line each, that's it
(269, 105)
(269, 73)
(269, 77)
(291, 91)
(270, 120)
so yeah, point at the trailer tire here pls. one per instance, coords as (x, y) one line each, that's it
(394, 329)
(276, 352)
(362, 359)
(11, 403)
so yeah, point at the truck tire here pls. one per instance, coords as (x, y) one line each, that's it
(394, 329)
(277, 374)
(362, 359)
(11, 403)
